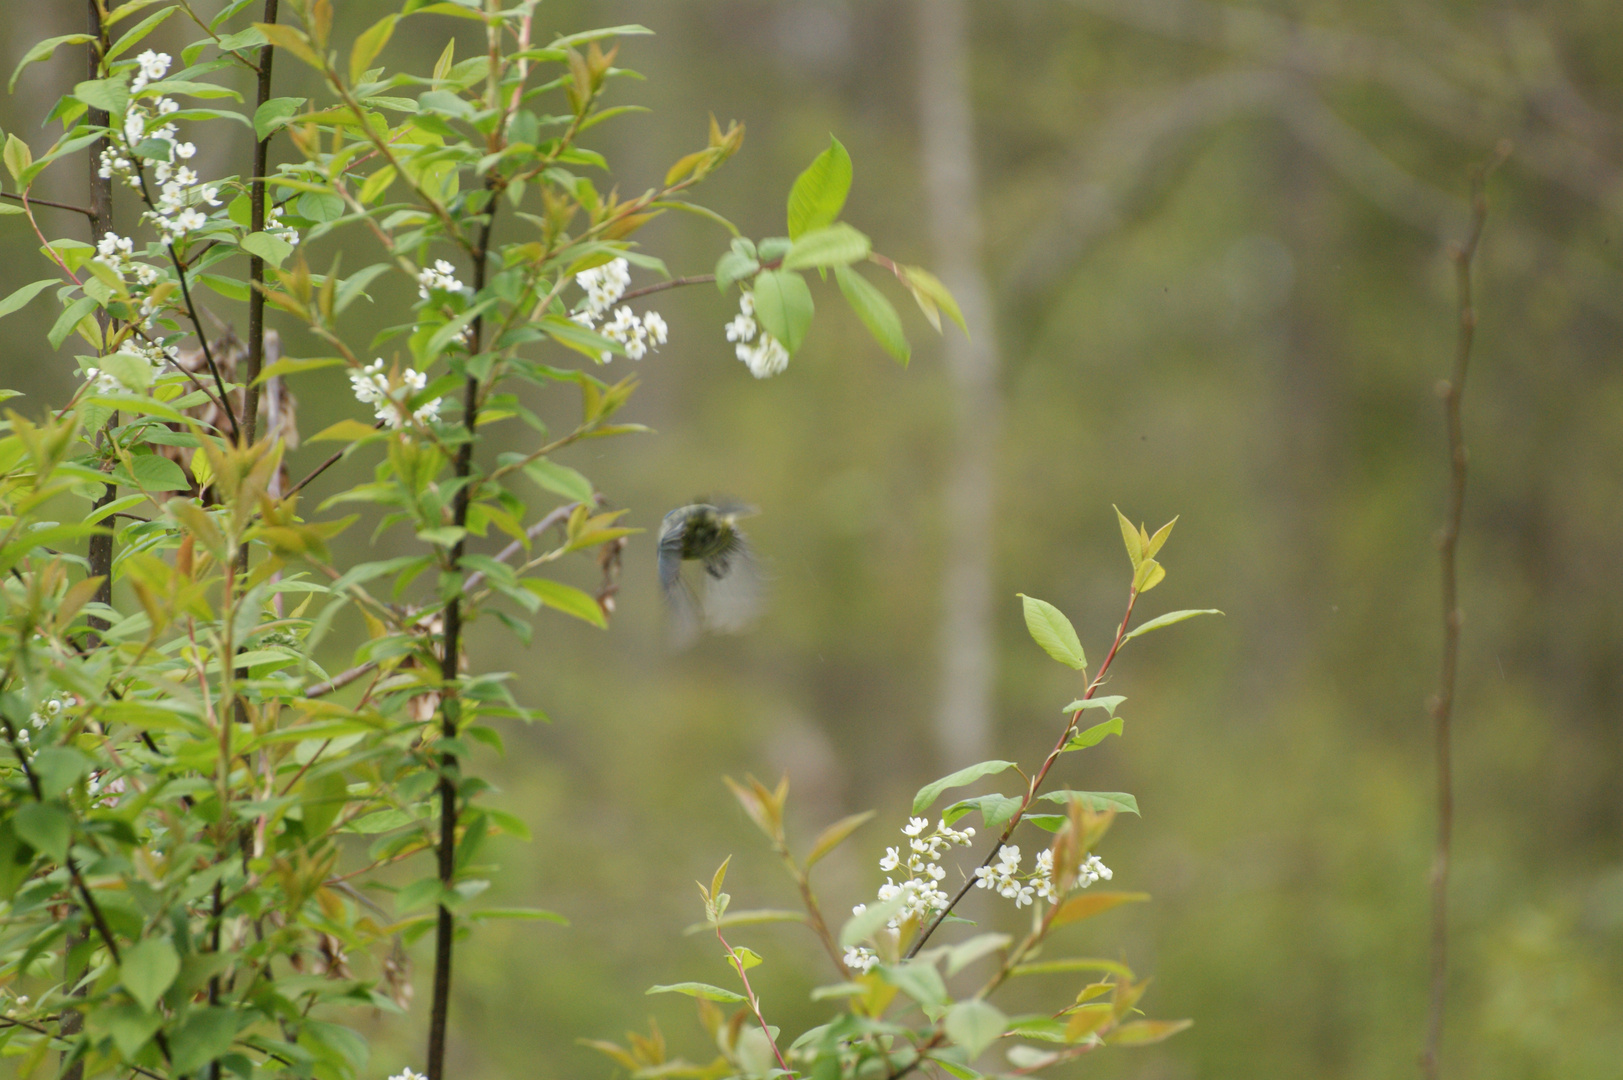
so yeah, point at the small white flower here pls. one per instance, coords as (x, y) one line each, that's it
(891, 860)
(189, 220)
(746, 303)
(860, 960)
(151, 67)
(767, 357)
(408, 1074)
(742, 328)
(915, 826)
(442, 275)
(658, 332)
(185, 151)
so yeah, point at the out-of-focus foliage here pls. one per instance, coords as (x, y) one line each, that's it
(1223, 294)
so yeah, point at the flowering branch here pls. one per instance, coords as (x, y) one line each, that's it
(1036, 781)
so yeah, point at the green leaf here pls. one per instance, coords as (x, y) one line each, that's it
(153, 473)
(1088, 904)
(747, 918)
(43, 51)
(130, 1026)
(1097, 801)
(832, 245)
(917, 979)
(697, 990)
(270, 248)
(974, 1025)
(1148, 575)
(140, 30)
(59, 768)
(995, 810)
(835, 835)
(783, 305)
(569, 600)
(1053, 631)
(17, 156)
(860, 928)
(746, 957)
(368, 45)
(1145, 1032)
(560, 480)
(21, 297)
(876, 312)
(45, 827)
(1094, 735)
(525, 914)
(932, 297)
(344, 431)
(818, 194)
(111, 96)
(1130, 537)
(135, 372)
(1168, 619)
(148, 969)
(930, 792)
(205, 1036)
(273, 113)
(965, 953)
(1109, 703)
(1074, 964)
(71, 317)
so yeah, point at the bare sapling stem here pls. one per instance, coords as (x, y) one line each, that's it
(1452, 392)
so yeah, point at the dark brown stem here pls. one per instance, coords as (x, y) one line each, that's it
(85, 210)
(256, 265)
(99, 550)
(444, 930)
(1036, 782)
(661, 286)
(203, 342)
(1452, 392)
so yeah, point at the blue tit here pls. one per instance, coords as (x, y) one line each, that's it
(724, 595)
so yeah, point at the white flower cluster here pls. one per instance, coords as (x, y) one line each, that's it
(285, 233)
(604, 285)
(764, 355)
(104, 792)
(103, 382)
(388, 396)
(442, 275)
(1005, 878)
(177, 211)
(41, 718)
(925, 897)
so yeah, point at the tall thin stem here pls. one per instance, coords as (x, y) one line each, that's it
(99, 550)
(449, 666)
(1452, 391)
(256, 265)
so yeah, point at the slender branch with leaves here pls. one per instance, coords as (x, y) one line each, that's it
(238, 762)
(902, 1012)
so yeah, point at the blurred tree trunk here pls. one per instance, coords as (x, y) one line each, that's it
(968, 670)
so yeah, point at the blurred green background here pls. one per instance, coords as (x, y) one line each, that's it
(1214, 245)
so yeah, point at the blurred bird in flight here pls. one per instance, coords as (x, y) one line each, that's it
(724, 594)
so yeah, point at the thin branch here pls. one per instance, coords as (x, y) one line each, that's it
(203, 341)
(1452, 392)
(324, 466)
(85, 210)
(673, 283)
(475, 579)
(256, 265)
